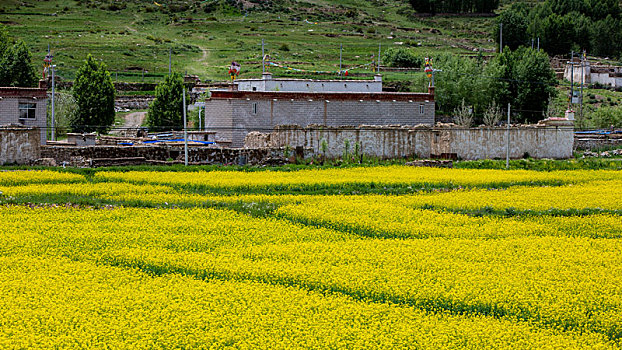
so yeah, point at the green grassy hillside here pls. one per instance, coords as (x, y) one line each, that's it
(204, 36)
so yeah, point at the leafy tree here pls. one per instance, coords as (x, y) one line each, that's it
(5, 40)
(470, 80)
(565, 25)
(605, 117)
(401, 57)
(558, 34)
(607, 37)
(65, 110)
(530, 79)
(582, 32)
(514, 29)
(94, 94)
(16, 68)
(166, 110)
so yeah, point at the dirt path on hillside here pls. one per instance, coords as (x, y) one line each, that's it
(131, 124)
(205, 53)
(134, 120)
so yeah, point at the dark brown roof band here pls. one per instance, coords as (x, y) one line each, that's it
(336, 96)
(16, 92)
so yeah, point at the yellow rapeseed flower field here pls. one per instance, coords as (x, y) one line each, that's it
(378, 176)
(23, 177)
(59, 303)
(476, 259)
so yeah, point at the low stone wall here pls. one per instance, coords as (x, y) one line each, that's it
(539, 141)
(597, 142)
(19, 145)
(95, 155)
(133, 102)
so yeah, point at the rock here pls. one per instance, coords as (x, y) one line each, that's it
(431, 163)
(45, 162)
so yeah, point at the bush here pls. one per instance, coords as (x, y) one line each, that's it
(401, 57)
(605, 117)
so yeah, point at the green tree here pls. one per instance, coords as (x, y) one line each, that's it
(5, 40)
(605, 117)
(16, 67)
(401, 57)
(94, 94)
(607, 37)
(471, 80)
(530, 80)
(65, 110)
(514, 29)
(166, 110)
(565, 25)
(558, 34)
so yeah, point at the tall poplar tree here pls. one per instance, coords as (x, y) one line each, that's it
(94, 94)
(166, 111)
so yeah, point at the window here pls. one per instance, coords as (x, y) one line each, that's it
(255, 108)
(421, 109)
(27, 110)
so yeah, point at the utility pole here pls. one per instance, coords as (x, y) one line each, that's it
(53, 116)
(170, 51)
(583, 59)
(571, 75)
(200, 124)
(340, 55)
(507, 137)
(263, 58)
(379, 47)
(500, 37)
(185, 130)
(538, 43)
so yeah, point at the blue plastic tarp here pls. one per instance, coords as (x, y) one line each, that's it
(180, 140)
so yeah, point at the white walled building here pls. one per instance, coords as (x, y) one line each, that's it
(591, 74)
(24, 106)
(267, 84)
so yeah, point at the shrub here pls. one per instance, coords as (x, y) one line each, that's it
(401, 57)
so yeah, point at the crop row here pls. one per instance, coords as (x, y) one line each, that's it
(551, 282)
(372, 177)
(21, 177)
(591, 196)
(391, 217)
(59, 303)
(568, 282)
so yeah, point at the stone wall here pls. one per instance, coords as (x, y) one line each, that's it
(398, 142)
(90, 155)
(19, 145)
(133, 102)
(597, 142)
(233, 118)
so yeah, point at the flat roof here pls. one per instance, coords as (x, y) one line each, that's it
(17, 92)
(365, 96)
(314, 80)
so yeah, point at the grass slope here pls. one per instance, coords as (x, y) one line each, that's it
(204, 36)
